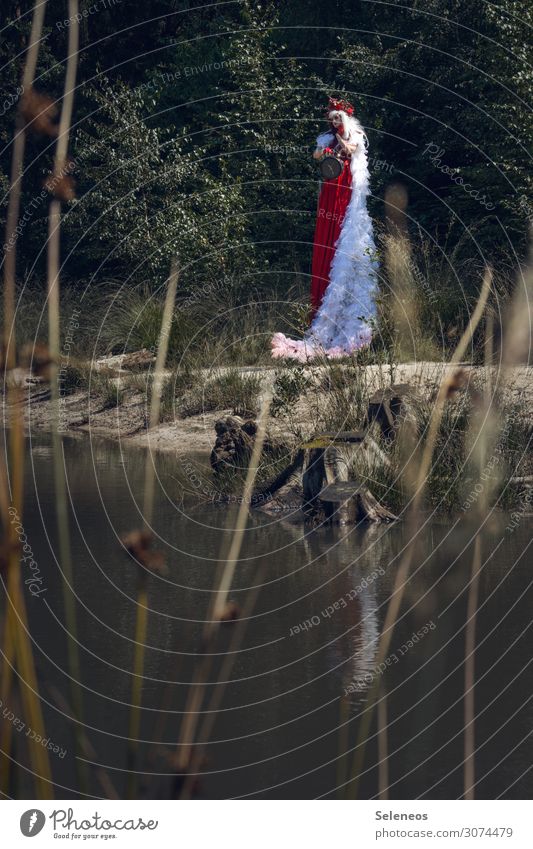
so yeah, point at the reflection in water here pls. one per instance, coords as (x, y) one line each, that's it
(278, 731)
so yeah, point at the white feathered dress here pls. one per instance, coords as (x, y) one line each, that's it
(344, 282)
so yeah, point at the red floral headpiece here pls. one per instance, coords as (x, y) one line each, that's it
(335, 105)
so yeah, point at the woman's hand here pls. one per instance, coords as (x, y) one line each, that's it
(322, 151)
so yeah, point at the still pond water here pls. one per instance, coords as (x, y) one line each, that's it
(310, 640)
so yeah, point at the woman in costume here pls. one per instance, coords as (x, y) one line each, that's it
(343, 285)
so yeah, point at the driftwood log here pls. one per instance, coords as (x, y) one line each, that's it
(286, 493)
(117, 364)
(138, 360)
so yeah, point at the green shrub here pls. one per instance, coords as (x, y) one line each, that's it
(109, 391)
(289, 385)
(73, 379)
(230, 390)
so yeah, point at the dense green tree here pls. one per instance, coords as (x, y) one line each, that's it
(194, 127)
(146, 193)
(444, 88)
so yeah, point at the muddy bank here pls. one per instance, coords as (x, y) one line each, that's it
(126, 422)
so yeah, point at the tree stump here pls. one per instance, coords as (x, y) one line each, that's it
(390, 408)
(233, 444)
(319, 478)
(357, 503)
(336, 467)
(315, 485)
(312, 482)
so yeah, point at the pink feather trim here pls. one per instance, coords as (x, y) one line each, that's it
(294, 349)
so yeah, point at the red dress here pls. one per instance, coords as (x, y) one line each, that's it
(332, 203)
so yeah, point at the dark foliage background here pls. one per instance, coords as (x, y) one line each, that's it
(194, 127)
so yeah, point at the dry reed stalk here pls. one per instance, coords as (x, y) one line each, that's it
(54, 221)
(447, 379)
(8, 656)
(215, 701)
(157, 385)
(516, 349)
(342, 757)
(141, 627)
(13, 207)
(413, 524)
(383, 752)
(517, 339)
(141, 620)
(53, 263)
(17, 648)
(89, 752)
(473, 590)
(17, 645)
(9, 642)
(405, 308)
(401, 271)
(195, 697)
(469, 673)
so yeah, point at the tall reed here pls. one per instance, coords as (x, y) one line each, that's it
(141, 621)
(58, 183)
(13, 206)
(485, 430)
(17, 650)
(482, 442)
(186, 764)
(420, 482)
(383, 751)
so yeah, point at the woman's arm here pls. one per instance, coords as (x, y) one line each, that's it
(348, 147)
(323, 142)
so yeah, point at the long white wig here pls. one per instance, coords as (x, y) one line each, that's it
(352, 130)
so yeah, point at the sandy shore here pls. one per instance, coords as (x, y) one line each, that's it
(128, 422)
